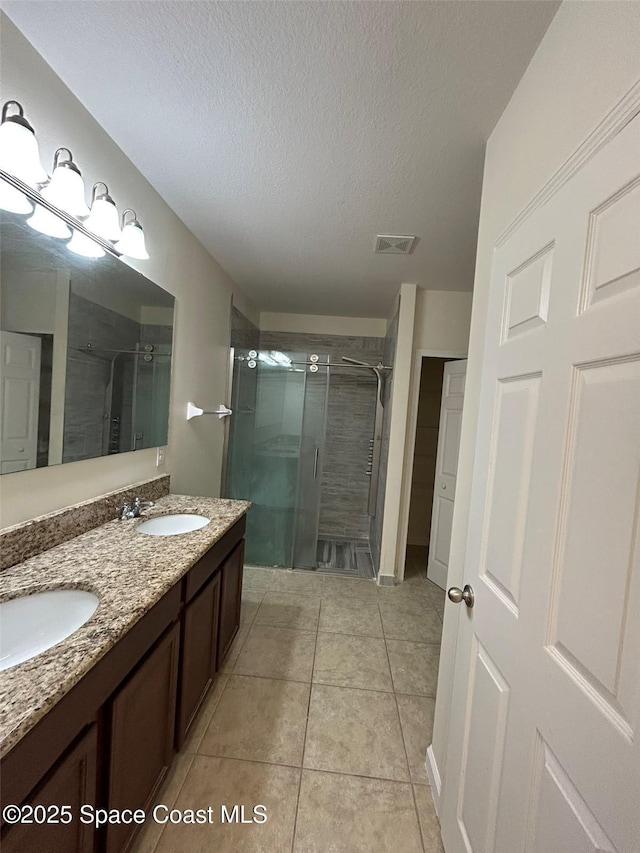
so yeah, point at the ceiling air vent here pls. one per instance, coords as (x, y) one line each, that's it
(388, 244)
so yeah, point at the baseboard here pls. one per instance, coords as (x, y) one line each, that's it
(386, 580)
(435, 781)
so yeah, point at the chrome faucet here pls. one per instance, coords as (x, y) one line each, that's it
(133, 510)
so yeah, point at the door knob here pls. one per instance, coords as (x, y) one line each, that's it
(444, 485)
(457, 595)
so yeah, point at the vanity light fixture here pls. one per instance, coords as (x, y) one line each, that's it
(48, 223)
(65, 190)
(103, 219)
(132, 243)
(19, 152)
(60, 202)
(13, 200)
(80, 244)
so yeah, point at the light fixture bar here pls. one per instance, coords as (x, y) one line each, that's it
(35, 196)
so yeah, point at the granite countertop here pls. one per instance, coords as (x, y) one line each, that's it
(128, 571)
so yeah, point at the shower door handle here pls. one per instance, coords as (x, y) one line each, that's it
(315, 463)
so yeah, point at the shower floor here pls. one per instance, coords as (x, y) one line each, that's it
(345, 556)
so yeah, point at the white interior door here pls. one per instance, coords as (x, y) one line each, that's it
(544, 740)
(444, 491)
(20, 394)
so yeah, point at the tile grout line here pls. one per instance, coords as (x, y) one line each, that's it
(406, 754)
(175, 799)
(304, 741)
(268, 677)
(310, 769)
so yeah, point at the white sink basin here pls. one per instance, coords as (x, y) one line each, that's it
(34, 623)
(171, 525)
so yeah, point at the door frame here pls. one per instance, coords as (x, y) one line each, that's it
(412, 425)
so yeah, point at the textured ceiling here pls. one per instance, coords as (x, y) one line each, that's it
(287, 135)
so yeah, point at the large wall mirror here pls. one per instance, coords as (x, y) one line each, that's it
(85, 353)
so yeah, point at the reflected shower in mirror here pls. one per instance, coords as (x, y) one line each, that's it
(85, 348)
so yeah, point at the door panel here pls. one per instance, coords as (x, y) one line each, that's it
(442, 529)
(444, 491)
(562, 820)
(552, 547)
(592, 627)
(451, 446)
(613, 261)
(230, 601)
(487, 714)
(508, 488)
(527, 295)
(142, 721)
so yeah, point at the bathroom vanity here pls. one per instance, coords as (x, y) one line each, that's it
(97, 719)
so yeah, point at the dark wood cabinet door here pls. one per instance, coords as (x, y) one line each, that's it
(230, 600)
(71, 782)
(198, 654)
(142, 719)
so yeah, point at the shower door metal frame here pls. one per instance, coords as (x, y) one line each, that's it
(226, 435)
(319, 452)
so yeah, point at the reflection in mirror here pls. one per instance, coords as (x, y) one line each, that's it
(85, 353)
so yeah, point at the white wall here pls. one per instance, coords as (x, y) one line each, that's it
(28, 302)
(587, 61)
(397, 433)
(317, 324)
(441, 328)
(442, 320)
(178, 263)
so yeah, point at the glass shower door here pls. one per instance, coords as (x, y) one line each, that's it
(265, 447)
(151, 397)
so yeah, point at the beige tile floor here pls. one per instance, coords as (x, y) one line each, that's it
(323, 713)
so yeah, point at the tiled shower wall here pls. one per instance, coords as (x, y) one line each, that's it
(86, 403)
(350, 420)
(244, 334)
(88, 376)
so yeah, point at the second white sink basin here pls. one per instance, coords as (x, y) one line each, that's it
(172, 525)
(34, 623)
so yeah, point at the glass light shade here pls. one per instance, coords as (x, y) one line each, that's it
(66, 191)
(19, 153)
(103, 220)
(48, 223)
(131, 243)
(13, 200)
(80, 244)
